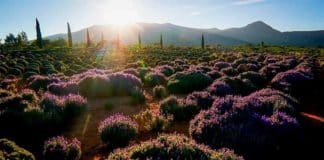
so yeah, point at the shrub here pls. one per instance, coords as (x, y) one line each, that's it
(29, 95)
(159, 92)
(137, 96)
(221, 65)
(239, 86)
(5, 93)
(38, 82)
(153, 79)
(186, 82)
(117, 130)
(201, 99)
(219, 88)
(178, 109)
(62, 148)
(149, 121)
(10, 151)
(94, 86)
(242, 124)
(173, 146)
(214, 74)
(123, 84)
(64, 88)
(256, 78)
(65, 107)
(166, 70)
(292, 81)
(14, 103)
(229, 71)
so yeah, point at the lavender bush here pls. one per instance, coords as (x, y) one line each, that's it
(159, 92)
(117, 130)
(292, 81)
(186, 82)
(171, 146)
(62, 148)
(250, 125)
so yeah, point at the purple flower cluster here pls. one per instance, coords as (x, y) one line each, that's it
(68, 105)
(117, 130)
(62, 148)
(64, 88)
(38, 82)
(172, 146)
(219, 88)
(221, 65)
(291, 81)
(247, 124)
(201, 99)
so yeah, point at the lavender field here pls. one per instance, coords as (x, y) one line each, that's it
(161, 80)
(170, 103)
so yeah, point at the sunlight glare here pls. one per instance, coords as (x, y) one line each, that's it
(122, 12)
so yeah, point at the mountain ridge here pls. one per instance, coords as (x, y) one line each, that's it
(253, 33)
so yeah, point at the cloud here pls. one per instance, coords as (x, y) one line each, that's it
(196, 13)
(246, 2)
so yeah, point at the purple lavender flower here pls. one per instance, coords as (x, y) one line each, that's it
(117, 130)
(62, 148)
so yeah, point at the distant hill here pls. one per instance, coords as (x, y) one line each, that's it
(253, 33)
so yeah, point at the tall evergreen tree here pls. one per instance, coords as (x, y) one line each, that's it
(118, 41)
(139, 40)
(39, 35)
(102, 41)
(161, 41)
(202, 41)
(88, 38)
(70, 43)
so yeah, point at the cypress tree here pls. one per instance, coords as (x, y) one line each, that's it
(202, 41)
(39, 35)
(118, 41)
(161, 41)
(88, 38)
(70, 44)
(102, 42)
(139, 40)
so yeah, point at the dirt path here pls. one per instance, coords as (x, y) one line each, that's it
(85, 126)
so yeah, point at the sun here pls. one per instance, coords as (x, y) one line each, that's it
(121, 12)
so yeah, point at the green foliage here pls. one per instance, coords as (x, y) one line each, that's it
(10, 151)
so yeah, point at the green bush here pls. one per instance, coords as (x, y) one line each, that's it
(10, 151)
(186, 82)
(159, 92)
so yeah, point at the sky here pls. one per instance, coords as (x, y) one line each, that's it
(284, 15)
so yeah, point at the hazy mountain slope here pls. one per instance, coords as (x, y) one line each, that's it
(178, 35)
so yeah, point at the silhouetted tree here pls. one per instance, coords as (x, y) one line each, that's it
(139, 40)
(102, 41)
(88, 38)
(70, 43)
(262, 44)
(22, 39)
(118, 41)
(202, 41)
(10, 40)
(39, 35)
(161, 41)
